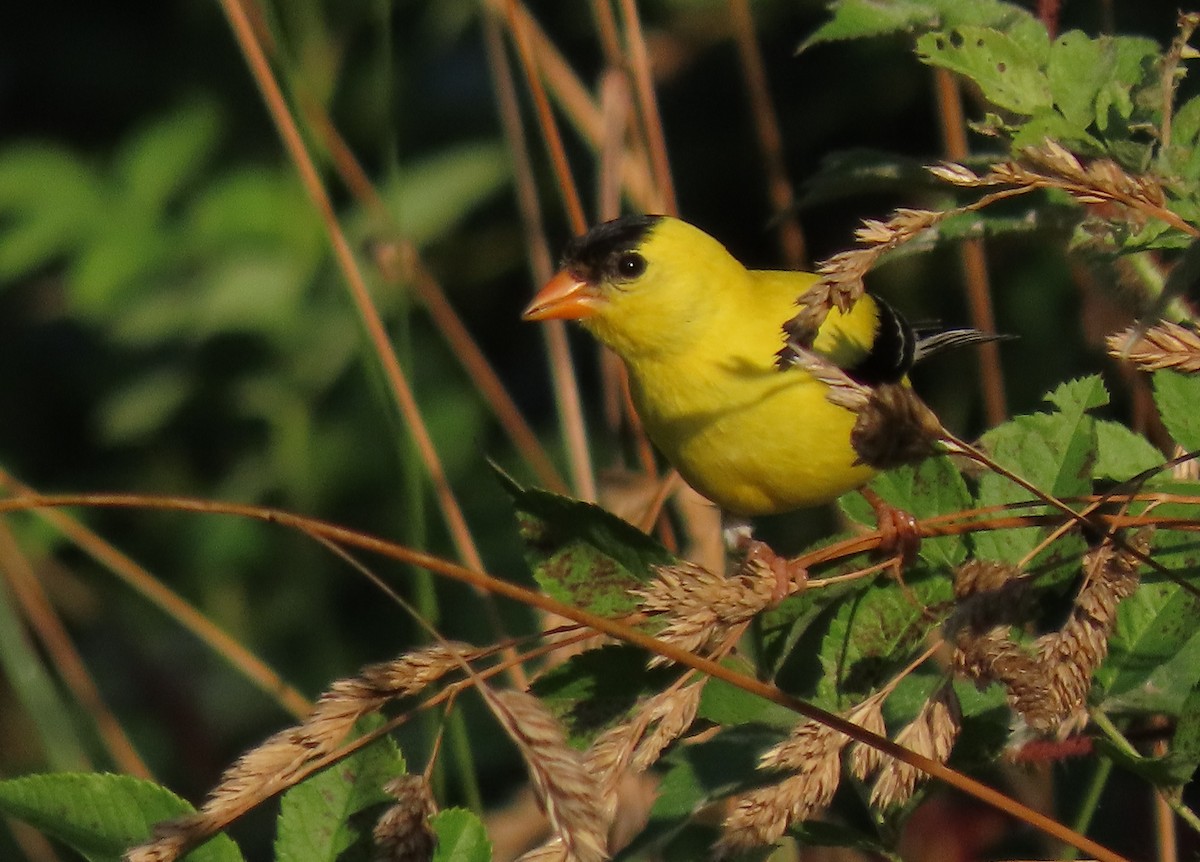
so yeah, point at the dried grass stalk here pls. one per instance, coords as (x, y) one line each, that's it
(635, 745)
(1049, 165)
(566, 790)
(842, 275)
(760, 817)
(990, 595)
(552, 851)
(1164, 345)
(284, 758)
(843, 390)
(403, 833)
(1072, 654)
(701, 607)
(865, 760)
(895, 427)
(932, 733)
(668, 716)
(1047, 682)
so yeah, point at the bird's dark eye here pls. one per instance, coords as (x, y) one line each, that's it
(630, 264)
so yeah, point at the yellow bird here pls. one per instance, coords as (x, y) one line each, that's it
(699, 334)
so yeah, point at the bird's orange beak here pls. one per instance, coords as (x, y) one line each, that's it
(564, 297)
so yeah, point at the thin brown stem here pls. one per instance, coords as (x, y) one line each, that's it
(446, 319)
(44, 621)
(170, 603)
(643, 82)
(550, 132)
(562, 371)
(293, 142)
(780, 191)
(578, 106)
(974, 262)
(606, 28)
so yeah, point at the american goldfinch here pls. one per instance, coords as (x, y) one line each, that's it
(699, 334)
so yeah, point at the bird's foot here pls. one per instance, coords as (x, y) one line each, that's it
(789, 575)
(899, 535)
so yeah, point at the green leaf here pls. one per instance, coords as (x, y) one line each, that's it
(1133, 64)
(259, 209)
(934, 487)
(50, 202)
(435, 194)
(694, 776)
(102, 816)
(1154, 649)
(461, 837)
(590, 691)
(782, 627)
(1075, 397)
(1176, 396)
(1184, 751)
(1056, 452)
(725, 704)
(857, 19)
(36, 689)
(1005, 71)
(1121, 453)
(162, 158)
(1077, 69)
(582, 554)
(871, 636)
(142, 408)
(315, 817)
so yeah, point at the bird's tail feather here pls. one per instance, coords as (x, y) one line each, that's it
(931, 340)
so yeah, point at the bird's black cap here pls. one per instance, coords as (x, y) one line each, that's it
(588, 256)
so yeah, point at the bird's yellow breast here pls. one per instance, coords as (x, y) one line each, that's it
(752, 438)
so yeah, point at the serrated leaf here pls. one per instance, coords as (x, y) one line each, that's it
(582, 554)
(981, 13)
(858, 19)
(1075, 397)
(933, 487)
(1182, 157)
(461, 837)
(1077, 68)
(1154, 649)
(1007, 74)
(1055, 452)
(872, 635)
(102, 816)
(1121, 453)
(315, 817)
(1051, 124)
(1133, 64)
(1176, 396)
(590, 691)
